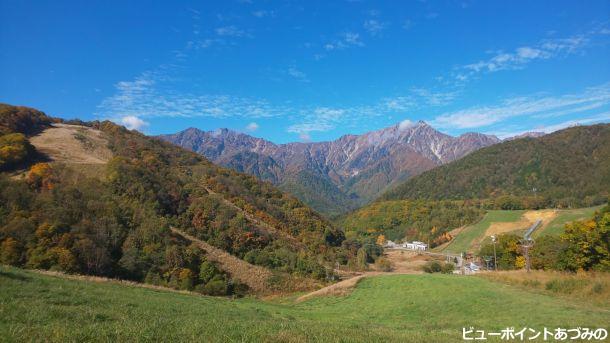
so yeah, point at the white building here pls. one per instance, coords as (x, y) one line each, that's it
(416, 245)
(390, 244)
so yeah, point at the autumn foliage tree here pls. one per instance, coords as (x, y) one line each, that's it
(15, 149)
(40, 176)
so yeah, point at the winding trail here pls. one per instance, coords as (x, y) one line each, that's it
(403, 263)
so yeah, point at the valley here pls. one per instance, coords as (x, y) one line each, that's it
(298, 171)
(127, 229)
(338, 176)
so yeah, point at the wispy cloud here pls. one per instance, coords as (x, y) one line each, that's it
(522, 56)
(374, 27)
(345, 40)
(598, 118)
(484, 116)
(435, 98)
(602, 117)
(263, 13)
(151, 95)
(320, 119)
(297, 74)
(323, 119)
(231, 31)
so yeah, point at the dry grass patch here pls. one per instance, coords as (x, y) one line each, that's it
(73, 144)
(261, 280)
(528, 218)
(590, 287)
(341, 288)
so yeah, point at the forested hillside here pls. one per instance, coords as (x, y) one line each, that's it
(569, 168)
(337, 176)
(428, 221)
(114, 219)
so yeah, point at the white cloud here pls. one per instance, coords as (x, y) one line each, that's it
(602, 117)
(318, 120)
(252, 127)
(405, 124)
(374, 27)
(151, 95)
(297, 74)
(305, 137)
(230, 31)
(434, 98)
(399, 103)
(346, 40)
(599, 118)
(520, 57)
(133, 123)
(482, 116)
(263, 13)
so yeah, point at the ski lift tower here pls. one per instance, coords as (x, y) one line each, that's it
(528, 242)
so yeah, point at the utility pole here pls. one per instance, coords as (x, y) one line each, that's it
(463, 268)
(493, 239)
(527, 242)
(526, 247)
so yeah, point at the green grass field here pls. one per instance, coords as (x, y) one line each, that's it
(406, 308)
(557, 225)
(464, 240)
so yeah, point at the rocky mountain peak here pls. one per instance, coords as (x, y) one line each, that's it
(355, 168)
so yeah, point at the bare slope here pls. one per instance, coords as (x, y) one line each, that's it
(73, 144)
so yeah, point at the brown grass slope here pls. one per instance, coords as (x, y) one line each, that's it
(73, 144)
(256, 277)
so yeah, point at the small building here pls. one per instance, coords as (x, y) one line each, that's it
(416, 245)
(391, 245)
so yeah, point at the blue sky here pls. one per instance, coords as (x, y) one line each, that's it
(312, 70)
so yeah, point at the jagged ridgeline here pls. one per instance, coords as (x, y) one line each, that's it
(568, 168)
(96, 198)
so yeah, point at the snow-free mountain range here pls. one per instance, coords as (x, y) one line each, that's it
(337, 176)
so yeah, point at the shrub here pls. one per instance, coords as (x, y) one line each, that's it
(598, 288)
(564, 286)
(432, 267)
(531, 283)
(207, 271)
(383, 264)
(216, 286)
(447, 268)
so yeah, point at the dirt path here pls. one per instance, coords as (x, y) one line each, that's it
(403, 263)
(255, 277)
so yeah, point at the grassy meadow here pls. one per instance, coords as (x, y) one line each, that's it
(471, 234)
(557, 225)
(406, 308)
(464, 240)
